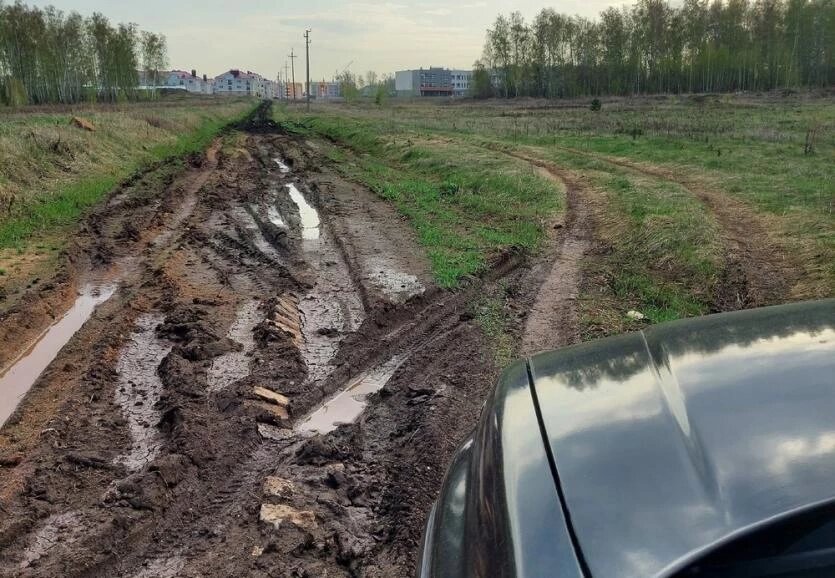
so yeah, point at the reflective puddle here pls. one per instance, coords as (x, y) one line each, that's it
(140, 388)
(309, 215)
(232, 366)
(275, 217)
(348, 404)
(246, 221)
(282, 166)
(25, 370)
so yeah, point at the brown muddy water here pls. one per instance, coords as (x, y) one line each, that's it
(346, 406)
(18, 378)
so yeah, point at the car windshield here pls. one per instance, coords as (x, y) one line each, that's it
(800, 546)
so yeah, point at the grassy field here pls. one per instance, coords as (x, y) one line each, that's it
(466, 203)
(51, 171)
(439, 164)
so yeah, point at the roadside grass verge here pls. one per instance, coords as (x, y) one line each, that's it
(467, 204)
(662, 254)
(51, 172)
(495, 322)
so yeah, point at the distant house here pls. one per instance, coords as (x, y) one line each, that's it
(188, 81)
(240, 83)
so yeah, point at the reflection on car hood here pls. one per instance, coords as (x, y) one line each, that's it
(669, 440)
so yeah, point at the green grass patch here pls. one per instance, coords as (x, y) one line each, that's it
(466, 204)
(494, 321)
(67, 203)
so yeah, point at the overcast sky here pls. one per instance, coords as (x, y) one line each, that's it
(216, 35)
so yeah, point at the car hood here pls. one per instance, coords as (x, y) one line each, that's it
(669, 441)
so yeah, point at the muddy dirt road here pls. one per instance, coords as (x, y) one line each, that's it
(256, 377)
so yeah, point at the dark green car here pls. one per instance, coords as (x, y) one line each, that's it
(702, 447)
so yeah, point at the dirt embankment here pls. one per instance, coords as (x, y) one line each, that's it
(191, 427)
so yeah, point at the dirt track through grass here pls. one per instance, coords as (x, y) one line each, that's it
(164, 439)
(757, 271)
(165, 432)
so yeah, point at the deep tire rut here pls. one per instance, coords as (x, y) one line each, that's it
(227, 487)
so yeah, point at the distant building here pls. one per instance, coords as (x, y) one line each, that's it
(326, 90)
(290, 93)
(188, 81)
(239, 83)
(175, 79)
(432, 81)
(460, 80)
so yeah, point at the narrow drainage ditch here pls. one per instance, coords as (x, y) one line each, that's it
(18, 379)
(347, 405)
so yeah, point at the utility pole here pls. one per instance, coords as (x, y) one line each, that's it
(293, 58)
(286, 80)
(307, 58)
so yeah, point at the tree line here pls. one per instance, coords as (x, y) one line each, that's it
(372, 85)
(47, 56)
(653, 47)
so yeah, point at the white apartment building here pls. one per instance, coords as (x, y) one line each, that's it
(240, 83)
(460, 80)
(188, 81)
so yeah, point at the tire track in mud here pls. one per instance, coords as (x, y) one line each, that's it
(553, 320)
(202, 459)
(757, 271)
(231, 487)
(126, 232)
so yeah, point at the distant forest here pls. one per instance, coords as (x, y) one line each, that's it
(47, 56)
(653, 47)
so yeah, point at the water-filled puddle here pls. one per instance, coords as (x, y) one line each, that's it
(234, 365)
(348, 404)
(246, 221)
(140, 388)
(275, 217)
(309, 215)
(17, 379)
(282, 166)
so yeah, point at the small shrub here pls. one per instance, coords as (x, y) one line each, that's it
(450, 188)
